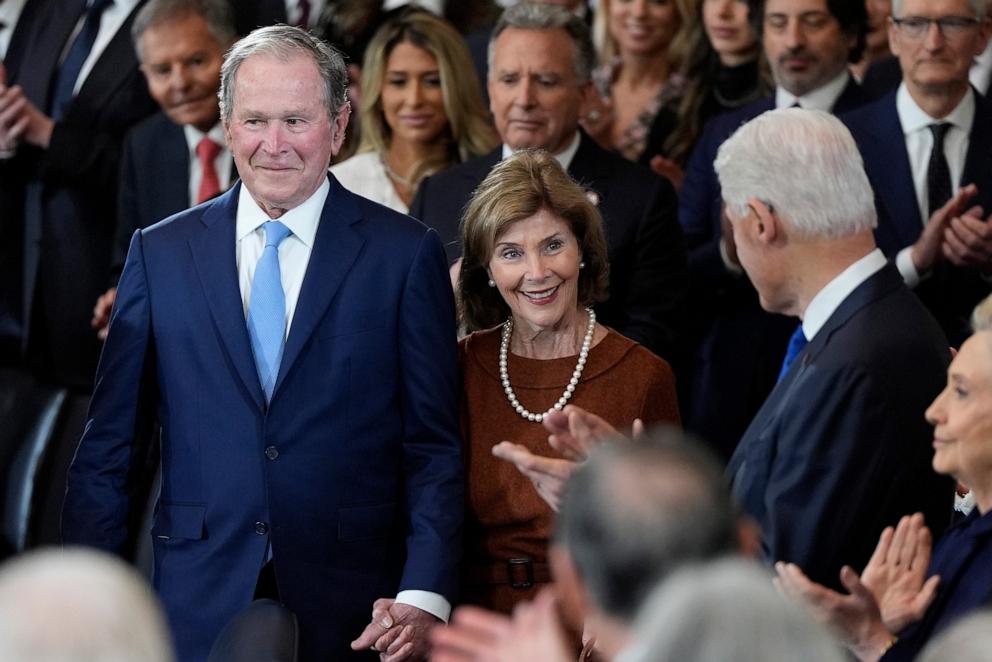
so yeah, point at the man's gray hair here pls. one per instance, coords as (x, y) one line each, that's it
(78, 604)
(639, 509)
(805, 165)
(978, 7)
(727, 610)
(217, 14)
(284, 43)
(541, 16)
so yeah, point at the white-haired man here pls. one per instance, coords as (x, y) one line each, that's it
(840, 448)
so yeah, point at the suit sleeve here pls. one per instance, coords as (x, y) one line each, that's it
(96, 504)
(432, 460)
(845, 462)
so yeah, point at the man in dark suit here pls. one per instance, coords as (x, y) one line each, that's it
(311, 453)
(808, 44)
(538, 84)
(926, 143)
(841, 448)
(181, 45)
(69, 118)
(251, 14)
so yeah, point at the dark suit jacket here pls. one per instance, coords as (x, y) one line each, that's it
(647, 257)
(840, 449)
(154, 181)
(70, 189)
(739, 346)
(251, 14)
(353, 472)
(951, 292)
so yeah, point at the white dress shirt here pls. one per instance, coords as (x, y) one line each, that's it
(822, 98)
(919, 143)
(10, 11)
(294, 255)
(223, 162)
(293, 13)
(364, 175)
(111, 20)
(564, 157)
(828, 300)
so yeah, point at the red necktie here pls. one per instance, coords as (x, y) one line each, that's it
(207, 151)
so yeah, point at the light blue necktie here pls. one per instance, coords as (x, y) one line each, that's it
(796, 344)
(267, 309)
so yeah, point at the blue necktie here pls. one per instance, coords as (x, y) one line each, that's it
(796, 344)
(267, 309)
(65, 80)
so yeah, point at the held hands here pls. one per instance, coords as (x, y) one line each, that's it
(397, 631)
(477, 635)
(574, 432)
(891, 593)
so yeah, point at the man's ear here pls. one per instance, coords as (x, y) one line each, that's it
(338, 127)
(767, 224)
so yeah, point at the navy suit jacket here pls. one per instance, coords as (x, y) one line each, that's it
(647, 257)
(353, 472)
(951, 292)
(740, 346)
(70, 189)
(840, 449)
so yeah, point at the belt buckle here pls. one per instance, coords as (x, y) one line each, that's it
(528, 568)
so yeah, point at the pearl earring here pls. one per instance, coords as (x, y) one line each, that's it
(582, 265)
(492, 283)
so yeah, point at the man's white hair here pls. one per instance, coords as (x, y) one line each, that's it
(806, 166)
(78, 605)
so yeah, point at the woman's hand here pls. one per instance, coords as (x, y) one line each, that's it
(548, 474)
(896, 573)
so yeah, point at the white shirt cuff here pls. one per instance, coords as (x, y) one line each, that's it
(731, 267)
(433, 603)
(904, 263)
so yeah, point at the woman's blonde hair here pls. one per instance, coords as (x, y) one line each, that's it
(469, 133)
(515, 189)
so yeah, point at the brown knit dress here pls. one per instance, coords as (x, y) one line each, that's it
(505, 517)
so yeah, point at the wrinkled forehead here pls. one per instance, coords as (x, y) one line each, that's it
(518, 49)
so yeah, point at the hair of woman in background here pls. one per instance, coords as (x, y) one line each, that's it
(723, 70)
(904, 597)
(641, 44)
(535, 263)
(421, 109)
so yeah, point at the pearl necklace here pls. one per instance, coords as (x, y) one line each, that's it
(504, 375)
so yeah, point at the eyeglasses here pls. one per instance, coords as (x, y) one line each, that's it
(915, 27)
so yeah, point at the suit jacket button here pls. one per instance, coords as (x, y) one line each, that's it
(261, 528)
(271, 452)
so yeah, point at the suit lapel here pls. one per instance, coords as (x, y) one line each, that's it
(46, 43)
(335, 249)
(978, 162)
(214, 256)
(113, 68)
(853, 96)
(888, 162)
(174, 190)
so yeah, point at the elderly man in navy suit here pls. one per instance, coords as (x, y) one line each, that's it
(808, 44)
(930, 142)
(840, 449)
(180, 44)
(297, 344)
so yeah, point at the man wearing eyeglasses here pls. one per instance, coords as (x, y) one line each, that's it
(927, 149)
(808, 44)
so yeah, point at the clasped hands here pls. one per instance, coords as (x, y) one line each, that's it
(397, 631)
(955, 233)
(574, 433)
(891, 593)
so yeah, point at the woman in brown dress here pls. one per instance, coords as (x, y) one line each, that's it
(534, 264)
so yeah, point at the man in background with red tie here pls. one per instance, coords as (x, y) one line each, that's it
(180, 45)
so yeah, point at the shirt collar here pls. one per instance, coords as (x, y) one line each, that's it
(822, 98)
(913, 118)
(827, 300)
(302, 221)
(564, 157)
(194, 136)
